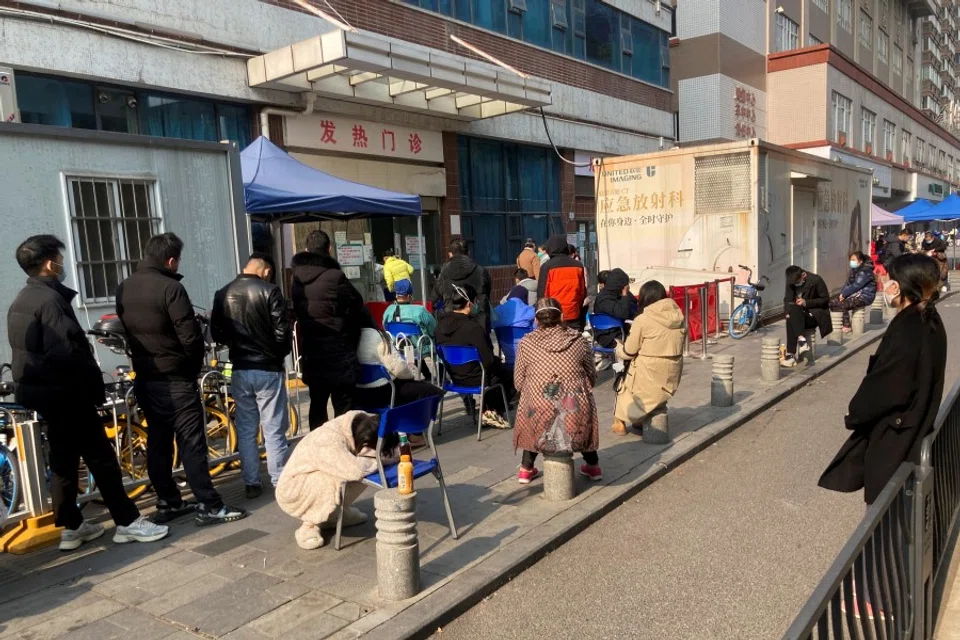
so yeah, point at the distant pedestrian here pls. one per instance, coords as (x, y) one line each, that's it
(167, 349)
(56, 375)
(555, 376)
(936, 248)
(860, 290)
(806, 302)
(524, 288)
(395, 269)
(529, 260)
(328, 310)
(654, 352)
(898, 399)
(895, 245)
(562, 278)
(250, 317)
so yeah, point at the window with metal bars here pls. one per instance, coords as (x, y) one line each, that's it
(112, 220)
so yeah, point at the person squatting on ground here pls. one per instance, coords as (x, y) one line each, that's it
(806, 303)
(167, 351)
(327, 463)
(329, 310)
(654, 355)
(250, 317)
(555, 375)
(458, 327)
(860, 290)
(56, 375)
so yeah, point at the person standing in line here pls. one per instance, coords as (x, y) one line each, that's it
(56, 375)
(167, 350)
(806, 302)
(562, 277)
(395, 269)
(328, 310)
(250, 317)
(461, 270)
(555, 376)
(529, 260)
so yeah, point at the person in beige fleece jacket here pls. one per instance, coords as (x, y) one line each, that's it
(339, 453)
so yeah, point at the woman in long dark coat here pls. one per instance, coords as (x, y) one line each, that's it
(898, 399)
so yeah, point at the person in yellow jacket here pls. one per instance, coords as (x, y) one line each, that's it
(395, 269)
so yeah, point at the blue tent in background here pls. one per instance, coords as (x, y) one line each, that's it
(949, 209)
(278, 188)
(915, 208)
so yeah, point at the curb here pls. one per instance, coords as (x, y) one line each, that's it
(462, 592)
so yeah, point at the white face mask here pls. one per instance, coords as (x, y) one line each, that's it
(854, 264)
(891, 294)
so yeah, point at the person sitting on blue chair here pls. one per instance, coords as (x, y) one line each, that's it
(460, 328)
(524, 288)
(376, 348)
(616, 301)
(511, 321)
(403, 310)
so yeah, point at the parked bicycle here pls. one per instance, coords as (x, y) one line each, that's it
(745, 317)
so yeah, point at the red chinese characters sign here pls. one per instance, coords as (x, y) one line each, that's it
(349, 135)
(745, 113)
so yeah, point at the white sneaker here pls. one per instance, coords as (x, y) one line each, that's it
(802, 348)
(788, 362)
(308, 537)
(71, 539)
(141, 530)
(603, 364)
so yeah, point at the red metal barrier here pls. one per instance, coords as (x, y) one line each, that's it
(377, 308)
(690, 294)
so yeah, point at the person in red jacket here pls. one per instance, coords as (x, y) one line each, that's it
(562, 278)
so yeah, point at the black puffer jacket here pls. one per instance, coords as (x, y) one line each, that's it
(52, 360)
(461, 270)
(330, 313)
(250, 317)
(166, 342)
(611, 301)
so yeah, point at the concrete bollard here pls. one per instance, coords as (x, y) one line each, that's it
(857, 319)
(558, 483)
(876, 310)
(721, 385)
(656, 427)
(398, 546)
(770, 359)
(836, 336)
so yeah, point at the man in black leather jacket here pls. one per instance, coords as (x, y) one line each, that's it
(250, 317)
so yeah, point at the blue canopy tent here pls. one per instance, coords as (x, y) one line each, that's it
(278, 188)
(949, 209)
(916, 208)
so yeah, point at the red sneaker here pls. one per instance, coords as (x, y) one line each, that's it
(524, 476)
(591, 471)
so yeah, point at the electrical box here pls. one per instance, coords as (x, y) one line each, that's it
(8, 97)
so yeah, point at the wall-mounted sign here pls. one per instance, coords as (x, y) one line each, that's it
(349, 135)
(744, 113)
(350, 255)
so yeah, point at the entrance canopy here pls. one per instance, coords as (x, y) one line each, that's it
(916, 208)
(278, 188)
(882, 218)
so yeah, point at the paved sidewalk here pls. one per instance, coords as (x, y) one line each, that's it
(248, 579)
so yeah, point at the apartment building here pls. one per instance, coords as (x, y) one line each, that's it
(419, 96)
(938, 66)
(841, 79)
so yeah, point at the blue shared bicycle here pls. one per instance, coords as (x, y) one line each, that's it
(745, 317)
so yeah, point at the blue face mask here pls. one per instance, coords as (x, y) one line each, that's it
(854, 264)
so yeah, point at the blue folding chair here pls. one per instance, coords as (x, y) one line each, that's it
(410, 332)
(416, 417)
(455, 355)
(508, 338)
(370, 373)
(603, 322)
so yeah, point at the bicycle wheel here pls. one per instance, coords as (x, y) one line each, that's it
(9, 480)
(221, 438)
(133, 456)
(742, 320)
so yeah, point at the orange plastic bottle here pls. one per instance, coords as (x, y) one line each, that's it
(405, 468)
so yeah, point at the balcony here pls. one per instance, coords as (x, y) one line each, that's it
(922, 8)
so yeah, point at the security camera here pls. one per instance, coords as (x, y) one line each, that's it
(131, 102)
(103, 98)
(4, 78)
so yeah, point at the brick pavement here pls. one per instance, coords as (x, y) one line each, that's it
(248, 579)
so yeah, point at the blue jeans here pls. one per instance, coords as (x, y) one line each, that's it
(261, 398)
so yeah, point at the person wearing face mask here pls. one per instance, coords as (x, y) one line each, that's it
(56, 375)
(250, 317)
(897, 402)
(806, 303)
(859, 291)
(167, 349)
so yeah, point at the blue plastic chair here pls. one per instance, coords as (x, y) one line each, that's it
(456, 355)
(370, 373)
(416, 417)
(410, 332)
(509, 338)
(603, 322)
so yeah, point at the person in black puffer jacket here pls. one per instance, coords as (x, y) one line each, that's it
(461, 270)
(250, 317)
(616, 301)
(329, 310)
(860, 290)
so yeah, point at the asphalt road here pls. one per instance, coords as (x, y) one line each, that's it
(729, 545)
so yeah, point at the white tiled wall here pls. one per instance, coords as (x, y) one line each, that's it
(646, 10)
(707, 108)
(741, 20)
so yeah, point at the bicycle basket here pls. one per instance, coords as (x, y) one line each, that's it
(745, 291)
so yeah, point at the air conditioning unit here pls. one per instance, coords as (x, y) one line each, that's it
(8, 97)
(517, 6)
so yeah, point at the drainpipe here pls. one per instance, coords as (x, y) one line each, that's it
(310, 99)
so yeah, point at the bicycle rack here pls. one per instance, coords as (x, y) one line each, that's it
(37, 529)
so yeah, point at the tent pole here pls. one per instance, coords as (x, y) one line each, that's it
(277, 228)
(423, 263)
